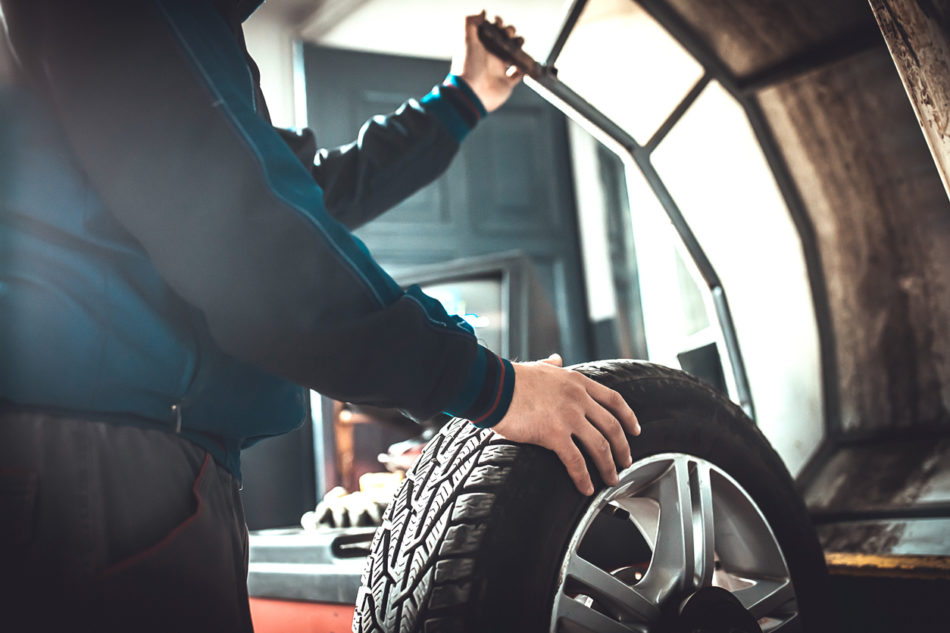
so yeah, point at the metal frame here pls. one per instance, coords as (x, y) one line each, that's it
(684, 34)
(744, 92)
(571, 15)
(550, 88)
(934, 510)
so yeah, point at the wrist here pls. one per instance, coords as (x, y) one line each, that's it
(486, 394)
(490, 92)
(465, 86)
(456, 105)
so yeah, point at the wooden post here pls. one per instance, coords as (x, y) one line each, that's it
(917, 33)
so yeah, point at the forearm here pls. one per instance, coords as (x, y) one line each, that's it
(396, 155)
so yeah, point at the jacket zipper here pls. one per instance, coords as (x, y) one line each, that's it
(176, 413)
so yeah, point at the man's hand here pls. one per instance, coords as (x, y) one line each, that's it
(551, 406)
(490, 78)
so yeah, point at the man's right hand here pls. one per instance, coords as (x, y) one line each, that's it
(488, 76)
(551, 406)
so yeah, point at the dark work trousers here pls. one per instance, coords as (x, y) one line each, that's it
(108, 528)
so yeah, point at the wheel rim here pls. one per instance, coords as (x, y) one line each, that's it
(701, 529)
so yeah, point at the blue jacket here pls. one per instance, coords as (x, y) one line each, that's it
(169, 259)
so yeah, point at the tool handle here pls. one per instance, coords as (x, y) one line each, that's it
(498, 43)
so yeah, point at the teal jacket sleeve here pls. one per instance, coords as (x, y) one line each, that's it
(394, 155)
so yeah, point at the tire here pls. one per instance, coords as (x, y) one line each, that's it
(477, 534)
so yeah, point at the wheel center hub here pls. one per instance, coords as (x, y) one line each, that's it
(714, 610)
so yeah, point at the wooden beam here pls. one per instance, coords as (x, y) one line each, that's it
(888, 566)
(917, 33)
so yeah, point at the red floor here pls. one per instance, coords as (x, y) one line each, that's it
(276, 616)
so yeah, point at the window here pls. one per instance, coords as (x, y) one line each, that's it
(706, 214)
(627, 66)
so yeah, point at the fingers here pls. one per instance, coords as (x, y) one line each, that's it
(576, 466)
(600, 453)
(471, 26)
(552, 406)
(475, 20)
(602, 437)
(509, 30)
(602, 431)
(614, 402)
(605, 424)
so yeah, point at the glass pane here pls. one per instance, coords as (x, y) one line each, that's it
(627, 66)
(592, 224)
(678, 314)
(715, 170)
(613, 292)
(480, 303)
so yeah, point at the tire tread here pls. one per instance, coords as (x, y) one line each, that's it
(419, 574)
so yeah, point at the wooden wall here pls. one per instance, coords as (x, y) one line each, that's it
(882, 218)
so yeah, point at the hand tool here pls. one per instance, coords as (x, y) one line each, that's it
(508, 49)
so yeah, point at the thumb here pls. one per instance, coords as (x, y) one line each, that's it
(554, 359)
(472, 22)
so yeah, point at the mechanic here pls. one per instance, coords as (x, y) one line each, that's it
(174, 272)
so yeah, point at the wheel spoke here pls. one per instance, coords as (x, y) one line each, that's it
(574, 616)
(765, 596)
(611, 592)
(669, 554)
(791, 624)
(678, 503)
(704, 531)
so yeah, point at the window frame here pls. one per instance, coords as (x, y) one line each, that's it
(622, 143)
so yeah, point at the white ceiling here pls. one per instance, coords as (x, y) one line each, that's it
(418, 28)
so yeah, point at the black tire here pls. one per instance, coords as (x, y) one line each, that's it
(474, 537)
